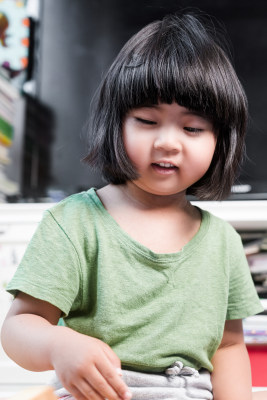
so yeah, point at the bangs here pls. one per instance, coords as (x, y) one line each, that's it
(166, 81)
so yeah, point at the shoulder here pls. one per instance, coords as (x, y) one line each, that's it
(75, 215)
(75, 205)
(221, 232)
(218, 225)
(227, 244)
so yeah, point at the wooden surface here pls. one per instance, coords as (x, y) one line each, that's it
(35, 393)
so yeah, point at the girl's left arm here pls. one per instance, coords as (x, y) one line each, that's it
(231, 377)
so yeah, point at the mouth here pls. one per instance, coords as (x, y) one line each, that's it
(164, 167)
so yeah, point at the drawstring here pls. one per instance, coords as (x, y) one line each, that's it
(178, 369)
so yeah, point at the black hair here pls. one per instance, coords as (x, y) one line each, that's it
(177, 59)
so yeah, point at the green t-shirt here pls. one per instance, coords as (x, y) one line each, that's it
(152, 309)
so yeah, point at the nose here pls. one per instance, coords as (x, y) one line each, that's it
(168, 140)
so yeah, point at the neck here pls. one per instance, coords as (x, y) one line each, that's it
(145, 200)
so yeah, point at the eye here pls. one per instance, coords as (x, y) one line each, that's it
(145, 121)
(193, 130)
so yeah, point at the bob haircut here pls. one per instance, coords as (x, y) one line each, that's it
(179, 60)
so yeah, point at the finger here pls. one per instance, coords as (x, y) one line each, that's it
(77, 395)
(113, 358)
(85, 392)
(110, 374)
(101, 386)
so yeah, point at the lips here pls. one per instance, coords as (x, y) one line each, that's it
(164, 168)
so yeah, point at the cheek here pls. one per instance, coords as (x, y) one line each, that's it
(136, 147)
(130, 147)
(136, 155)
(208, 147)
(203, 154)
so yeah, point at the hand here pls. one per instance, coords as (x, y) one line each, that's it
(87, 367)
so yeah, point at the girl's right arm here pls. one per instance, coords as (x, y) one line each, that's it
(86, 366)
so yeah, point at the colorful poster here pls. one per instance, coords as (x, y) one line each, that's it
(14, 35)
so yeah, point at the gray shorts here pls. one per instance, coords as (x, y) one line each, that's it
(177, 383)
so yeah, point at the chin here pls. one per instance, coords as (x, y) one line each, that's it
(159, 190)
(164, 192)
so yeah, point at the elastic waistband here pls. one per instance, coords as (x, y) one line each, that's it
(178, 382)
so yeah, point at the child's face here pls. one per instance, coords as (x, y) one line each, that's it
(171, 147)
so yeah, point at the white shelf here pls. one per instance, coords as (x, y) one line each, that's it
(21, 213)
(241, 214)
(14, 379)
(11, 372)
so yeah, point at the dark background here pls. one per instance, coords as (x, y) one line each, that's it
(73, 46)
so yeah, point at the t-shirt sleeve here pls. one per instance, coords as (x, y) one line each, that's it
(243, 300)
(50, 268)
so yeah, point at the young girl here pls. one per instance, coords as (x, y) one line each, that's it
(152, 289)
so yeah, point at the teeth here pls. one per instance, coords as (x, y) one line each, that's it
(166, 165)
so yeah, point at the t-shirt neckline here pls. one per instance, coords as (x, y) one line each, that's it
(129, 241)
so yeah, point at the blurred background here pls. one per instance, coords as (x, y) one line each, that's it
(52, 57)
(53, 54)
